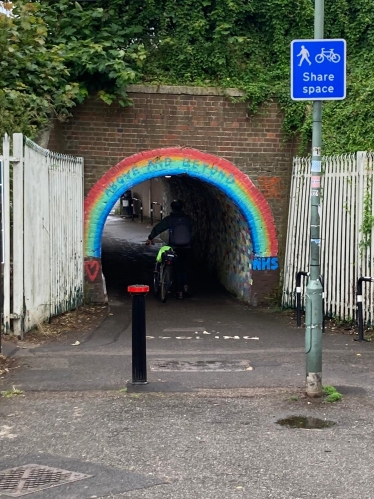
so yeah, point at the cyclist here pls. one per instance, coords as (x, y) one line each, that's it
(179, 226)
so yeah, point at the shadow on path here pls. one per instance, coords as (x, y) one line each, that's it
(126, 260)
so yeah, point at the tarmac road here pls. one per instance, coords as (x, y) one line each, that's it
(221, 375)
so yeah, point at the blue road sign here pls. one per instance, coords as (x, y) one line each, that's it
(318, 69)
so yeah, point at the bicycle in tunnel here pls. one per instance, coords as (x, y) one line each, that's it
(163, 273)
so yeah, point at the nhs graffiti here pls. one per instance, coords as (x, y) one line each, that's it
(265, 263)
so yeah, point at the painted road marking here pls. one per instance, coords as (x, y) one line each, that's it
(184, 330)
(199, 337)
(200, 366)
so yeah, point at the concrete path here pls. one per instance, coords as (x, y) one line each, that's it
(221, 375)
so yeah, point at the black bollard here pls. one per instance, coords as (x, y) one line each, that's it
(139, 347)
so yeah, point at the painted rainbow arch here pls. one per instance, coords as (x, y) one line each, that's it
(175, 161)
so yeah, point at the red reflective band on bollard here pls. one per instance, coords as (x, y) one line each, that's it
(138, 288)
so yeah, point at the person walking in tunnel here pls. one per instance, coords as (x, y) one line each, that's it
(179, 226)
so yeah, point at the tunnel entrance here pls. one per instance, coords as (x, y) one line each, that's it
(127, 260)
(221, 243)
(233, 225)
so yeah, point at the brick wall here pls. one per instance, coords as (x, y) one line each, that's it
(203, 119)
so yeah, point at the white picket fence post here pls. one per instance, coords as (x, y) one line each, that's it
(18, 229)
(6, 232)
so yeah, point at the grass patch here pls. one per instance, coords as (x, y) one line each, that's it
(11, 393)
(332, 394)
(328, 389)
(334, 397)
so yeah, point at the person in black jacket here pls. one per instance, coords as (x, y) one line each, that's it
(179, 226)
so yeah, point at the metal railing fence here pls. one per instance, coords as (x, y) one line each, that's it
(347, 234)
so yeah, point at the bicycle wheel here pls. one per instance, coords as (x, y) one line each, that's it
(319, 58)
(335, 58)
(165, 283)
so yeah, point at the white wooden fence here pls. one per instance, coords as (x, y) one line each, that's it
(45, 222)
(347, 249)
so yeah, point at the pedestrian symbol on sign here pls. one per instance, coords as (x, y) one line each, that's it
(304, 53)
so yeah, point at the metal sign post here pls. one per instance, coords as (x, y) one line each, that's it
(318, 69)
(1, 254)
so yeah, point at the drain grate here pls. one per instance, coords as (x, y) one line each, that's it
(201, 365)
(23, 480)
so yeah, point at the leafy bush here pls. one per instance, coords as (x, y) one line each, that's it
(55, 53)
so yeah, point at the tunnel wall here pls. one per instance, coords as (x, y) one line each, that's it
(221, 239)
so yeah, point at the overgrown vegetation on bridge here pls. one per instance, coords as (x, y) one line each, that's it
(56, 52)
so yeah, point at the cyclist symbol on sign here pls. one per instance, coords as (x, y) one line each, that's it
(329, 55)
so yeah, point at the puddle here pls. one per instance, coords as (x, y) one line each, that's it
(305, 422)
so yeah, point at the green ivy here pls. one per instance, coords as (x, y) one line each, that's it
(246, 44)
(367, 217)
(54, 54)
(34, 81)
(100, 47)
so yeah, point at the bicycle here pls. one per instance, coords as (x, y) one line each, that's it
(163, 274)
(327, 54)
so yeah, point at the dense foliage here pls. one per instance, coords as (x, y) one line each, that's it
(34, 79)
(59, 51)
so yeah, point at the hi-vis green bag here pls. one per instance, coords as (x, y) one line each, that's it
(160, 253)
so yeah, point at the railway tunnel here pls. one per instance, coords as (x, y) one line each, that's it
(221, 243)
(234, 236)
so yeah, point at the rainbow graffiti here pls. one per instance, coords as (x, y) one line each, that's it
(175, 161)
